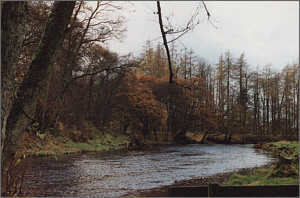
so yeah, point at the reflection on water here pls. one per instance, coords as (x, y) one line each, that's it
(117, 173)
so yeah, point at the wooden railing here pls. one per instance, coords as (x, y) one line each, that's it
(215, 190)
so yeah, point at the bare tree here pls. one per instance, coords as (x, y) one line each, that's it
(191, 24)
(82, 36)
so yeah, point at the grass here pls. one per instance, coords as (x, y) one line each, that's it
(284, 148)
(261, 177)
(255, 177)
(280, 181)
(282, 174)
(51, 146)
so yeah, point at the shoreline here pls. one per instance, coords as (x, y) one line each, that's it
(220, 178)
(48, 145)
(34, 147)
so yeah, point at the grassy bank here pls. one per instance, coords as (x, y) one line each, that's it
(88, 139)
(38, 145)
(238, 138)
(285, 171)
(63, 140)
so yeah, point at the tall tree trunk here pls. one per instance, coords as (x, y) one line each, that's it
(35, 78)
(13, 22)
(88, 109)
(255, 114)
(163, 33)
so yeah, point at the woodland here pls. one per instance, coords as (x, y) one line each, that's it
(57, 73)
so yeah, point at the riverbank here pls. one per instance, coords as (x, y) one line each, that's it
(238, 138)
(276, 174)
(284, 172)
(39, 145)
(162, 191)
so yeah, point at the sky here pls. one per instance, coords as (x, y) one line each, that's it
(266, 31)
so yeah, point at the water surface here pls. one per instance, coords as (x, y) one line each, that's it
(117, 173)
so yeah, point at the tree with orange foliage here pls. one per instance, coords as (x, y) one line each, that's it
(188, 108)
(142, 110)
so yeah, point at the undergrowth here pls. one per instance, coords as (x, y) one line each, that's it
(66, 140)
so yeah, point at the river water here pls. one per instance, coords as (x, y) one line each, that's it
(117, 173)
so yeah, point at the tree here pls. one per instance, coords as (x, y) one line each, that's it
(143, 111)
(177, 32)
(221, 95)
(147, 60)
(74, 57)
(153, 61)
(256, 101)
(240, 70)
(165, 41)
(275, 97)
(13, 21)
(290, 90)
(34, 81)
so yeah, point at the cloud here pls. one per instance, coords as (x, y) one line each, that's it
(268, 32)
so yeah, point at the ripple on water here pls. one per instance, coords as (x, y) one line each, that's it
(120, 172)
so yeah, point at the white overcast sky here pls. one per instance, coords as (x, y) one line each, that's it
(266, 31)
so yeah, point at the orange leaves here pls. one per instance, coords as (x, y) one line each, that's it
(148, 102)
(146, 79)
(140, 104)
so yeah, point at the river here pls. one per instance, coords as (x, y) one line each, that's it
(119, 172)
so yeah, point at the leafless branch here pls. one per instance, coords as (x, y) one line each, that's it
(191, 24)
(100, 71)
(165, 41)
(208, 15)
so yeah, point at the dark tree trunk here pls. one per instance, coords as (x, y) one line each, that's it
(155, 134)
(163, 33)
(206, 135)
(13, 22)
(35, 78)
(125, 128)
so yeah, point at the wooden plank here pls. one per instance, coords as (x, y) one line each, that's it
(188, 191)
(214, 190)
(261, 191)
